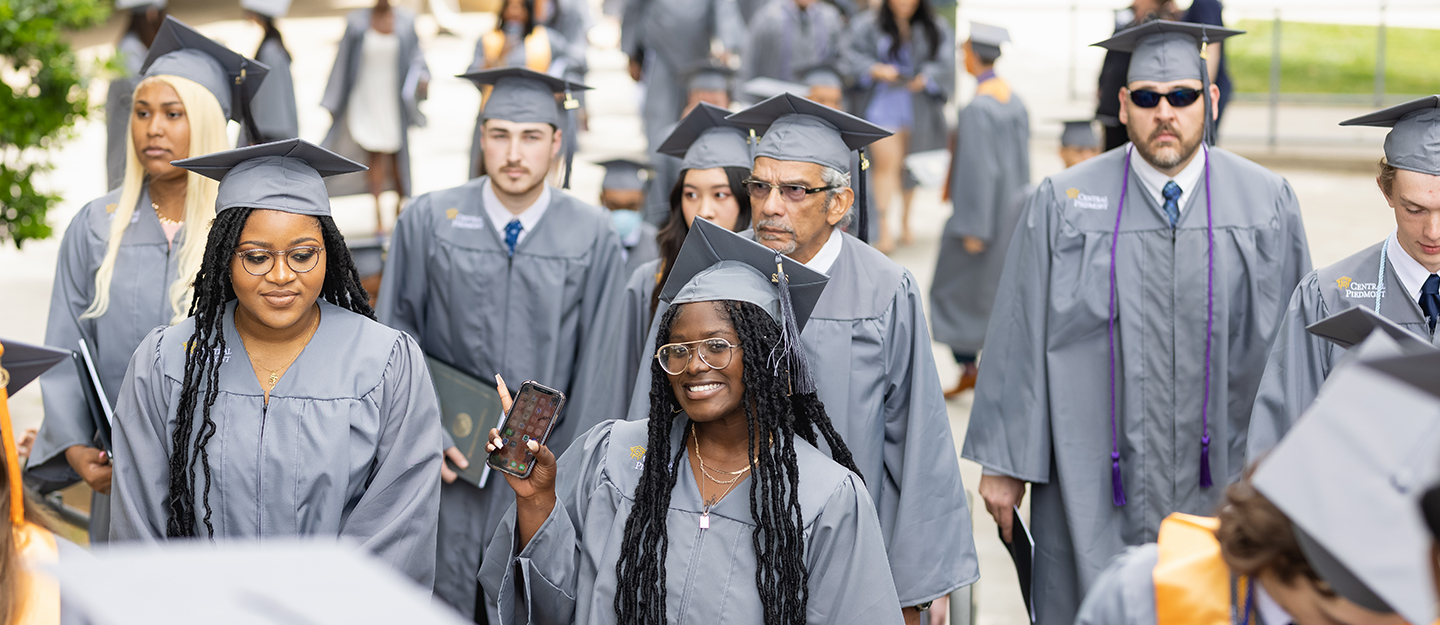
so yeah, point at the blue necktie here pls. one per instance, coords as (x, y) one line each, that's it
(1430, 299)
(512, 234)
(1172, 202)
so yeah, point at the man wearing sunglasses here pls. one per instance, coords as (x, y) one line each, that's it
(1134, 313)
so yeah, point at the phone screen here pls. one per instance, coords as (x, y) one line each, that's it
(530, 418)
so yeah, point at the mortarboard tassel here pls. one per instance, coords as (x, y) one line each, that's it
(1205, 481)
(863, 219)
(243, 103)
(791, 353)
(1117, 487)
(571, 137)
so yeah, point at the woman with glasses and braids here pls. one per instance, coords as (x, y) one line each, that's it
(127, 260)
(718, 508)
(281, 407)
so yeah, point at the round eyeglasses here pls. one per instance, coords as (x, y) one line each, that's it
(299, 259)
(793, 193)
(675, 358)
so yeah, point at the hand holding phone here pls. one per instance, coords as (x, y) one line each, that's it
(530, 418)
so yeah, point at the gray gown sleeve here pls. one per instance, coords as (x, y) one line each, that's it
(67, 417)
(1124, 594)
(336, 88)
(941, 70)
(632, 29)
(538, 584)
(1297, 258)
(931, 545)
(1297, 365)
(974, 178)
(857, 55)
(1009, 431)
(729, 25)
(274, 103)
(632, 352)
(404, 292)
(849, 578)
(141, 437)
(396, 518)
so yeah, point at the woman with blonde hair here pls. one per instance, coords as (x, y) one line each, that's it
(128, 259)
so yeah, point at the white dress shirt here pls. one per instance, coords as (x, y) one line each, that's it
(1153, 181)
(828, 254)
(1411, 273)
(500, 216)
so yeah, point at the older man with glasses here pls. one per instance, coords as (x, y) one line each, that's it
(1139, 295)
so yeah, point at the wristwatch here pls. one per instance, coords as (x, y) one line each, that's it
(924, 606)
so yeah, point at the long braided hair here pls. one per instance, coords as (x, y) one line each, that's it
(771, 415)
(204, 353)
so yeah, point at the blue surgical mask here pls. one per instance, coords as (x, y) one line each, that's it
(626, 221)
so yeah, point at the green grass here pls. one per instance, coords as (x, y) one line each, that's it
(1330, 58)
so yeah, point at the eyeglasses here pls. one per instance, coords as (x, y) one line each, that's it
(260, 262)
(793, 193)
(1179, 98)
(715, 353)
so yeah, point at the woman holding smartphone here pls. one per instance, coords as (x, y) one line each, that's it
(281, 408)
(649, 521)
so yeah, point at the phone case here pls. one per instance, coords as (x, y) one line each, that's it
(518, 433)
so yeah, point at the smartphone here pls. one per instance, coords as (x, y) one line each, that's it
(531, 417)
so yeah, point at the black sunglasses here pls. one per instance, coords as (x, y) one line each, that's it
(1179, 98)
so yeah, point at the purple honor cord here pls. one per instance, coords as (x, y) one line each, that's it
(1117, 486)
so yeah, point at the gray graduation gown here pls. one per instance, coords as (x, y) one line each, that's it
(643, 251)
(991, 165)
(783, 40)
(634, 325)
(674, 36)
(349, 445)
(1300, 361)
(566, 574)
(864, 48)
(1042, 401)
(145, 266)
(342, 80)
(1124, 594)
(869, 351)
(273, 107)
(118, 104)
(545, 315)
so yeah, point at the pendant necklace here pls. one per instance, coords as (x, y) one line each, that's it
(275, 373)
(705, 514)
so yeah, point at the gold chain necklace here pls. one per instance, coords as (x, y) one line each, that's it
(705, 514)
(275, 373)
(163, 219)
(706, 471)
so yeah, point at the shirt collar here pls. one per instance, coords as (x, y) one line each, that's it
(499, 215)
(826, 257)
(1411, 273)
(1154, 181)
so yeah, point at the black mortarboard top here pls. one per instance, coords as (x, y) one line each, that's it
(180, 50)
(268, 8)
(706, 139)
(25, 362)
(717, 264)
(277, 582)
(709, 75)
(1350, 326)
(284, 176)
(1414, 140)
(525, 96)
(1350, 475)
(623, 174)
(986, 40)
(1163, 51)
(796, 129)
(1079, 133)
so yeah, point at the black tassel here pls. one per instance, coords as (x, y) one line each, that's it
(246, 119)
(863, 219)
(791, 353)
(570, 137)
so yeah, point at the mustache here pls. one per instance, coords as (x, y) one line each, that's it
(1165, 127)
(772, 224)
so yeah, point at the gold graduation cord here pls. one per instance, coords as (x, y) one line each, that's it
(1192, 581)
(41, 604)
(12, 455)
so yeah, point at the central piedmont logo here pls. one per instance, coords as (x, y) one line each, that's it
(1358, 290)
(637, 453)
(1086, 201)
(1343, 282)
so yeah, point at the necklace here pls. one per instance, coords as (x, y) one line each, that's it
(705, 514)
(163, 219)
(275, 373)
(736, 475)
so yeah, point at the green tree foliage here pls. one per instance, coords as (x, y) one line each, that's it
(42, 96)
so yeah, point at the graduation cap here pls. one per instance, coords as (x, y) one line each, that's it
(525, 96)
(1414, 140)
(716, 264)
(796, 129)
(1163, 51)
(179, 50)
(284, 176)
(709, 75)
(1350, 475)
(1352, 325)
(706, 139)
(244, 583)
(19, 365)
(1079, 133)
(986, 40)
(763, 88)
(623, 174)
(125, 5)
(268, 8)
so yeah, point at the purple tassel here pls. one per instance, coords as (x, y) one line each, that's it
(1117, 488)
(1205, 462)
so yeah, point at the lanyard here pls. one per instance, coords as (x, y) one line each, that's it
(1380, 281)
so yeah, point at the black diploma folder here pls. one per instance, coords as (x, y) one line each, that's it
(468, 409)
(1350, 326)
(1022, 551)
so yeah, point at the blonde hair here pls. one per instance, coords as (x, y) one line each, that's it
(207, 135)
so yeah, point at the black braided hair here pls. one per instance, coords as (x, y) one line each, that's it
(771, 415)
(205, 349)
